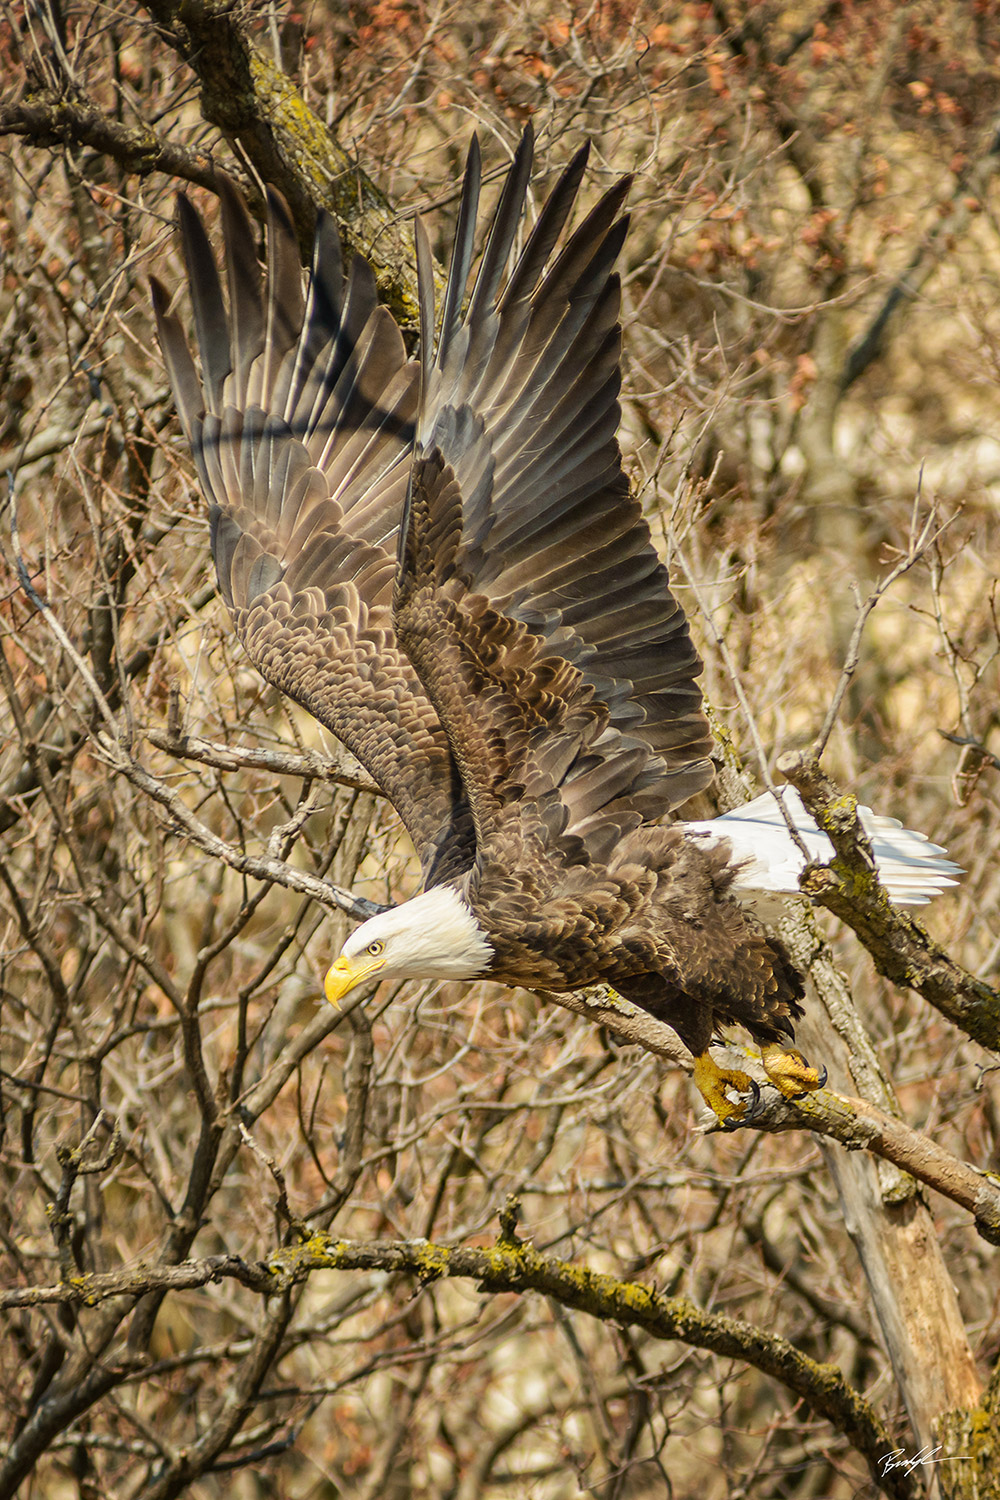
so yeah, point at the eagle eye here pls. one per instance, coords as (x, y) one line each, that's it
(375, 948)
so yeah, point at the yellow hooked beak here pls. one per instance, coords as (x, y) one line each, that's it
(346, 973)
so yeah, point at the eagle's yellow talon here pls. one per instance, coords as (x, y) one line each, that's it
(713, 1081)
(789, 1072)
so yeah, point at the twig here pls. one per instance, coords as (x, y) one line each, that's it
(239, 758)
(928, 534)
(971, 763)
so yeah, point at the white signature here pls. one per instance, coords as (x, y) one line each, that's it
(897, 1459)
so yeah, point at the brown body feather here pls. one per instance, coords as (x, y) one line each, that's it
(657, 923)
(444, 564)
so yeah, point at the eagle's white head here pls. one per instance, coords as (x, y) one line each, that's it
(434, 936)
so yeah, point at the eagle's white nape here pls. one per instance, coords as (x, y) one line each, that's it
(432, 936)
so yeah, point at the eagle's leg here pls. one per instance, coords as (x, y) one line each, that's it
(713, 1082)
(789, 1071)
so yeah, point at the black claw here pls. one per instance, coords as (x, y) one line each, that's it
(750, 1110)
(753, 1109)
(820, 1072)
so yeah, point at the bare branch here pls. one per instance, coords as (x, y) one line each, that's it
(48, 119)
(259, 867)
(281, 762)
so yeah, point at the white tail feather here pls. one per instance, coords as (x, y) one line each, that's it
(911, 868)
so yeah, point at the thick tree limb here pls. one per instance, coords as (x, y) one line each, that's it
(855, 1123)
(861, 1126)
(885, 1211)
(255, 105)
(973, 1434)
(902, 951)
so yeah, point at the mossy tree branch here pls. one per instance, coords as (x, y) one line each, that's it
(256, 107)
(973, 1436)
(252, 102)
(514, 1266)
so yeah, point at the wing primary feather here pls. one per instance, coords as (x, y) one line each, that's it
(536, 363)
(285, 306)
(461, 255)
(360, 300)
(320, 324)
(243, 275)
(548, 226)
(181, 370)
(425, 298)
(302, 428)
(502, 231)
(210, 324)
(579, 261)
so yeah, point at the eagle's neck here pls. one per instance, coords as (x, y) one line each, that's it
(446, 939)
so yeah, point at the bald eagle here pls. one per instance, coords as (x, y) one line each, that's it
(441, 559)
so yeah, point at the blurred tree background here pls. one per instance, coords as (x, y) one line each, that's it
(812, 342)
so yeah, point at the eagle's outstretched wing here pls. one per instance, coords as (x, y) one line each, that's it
(530, 597)
(301, 424)
(555, 676)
